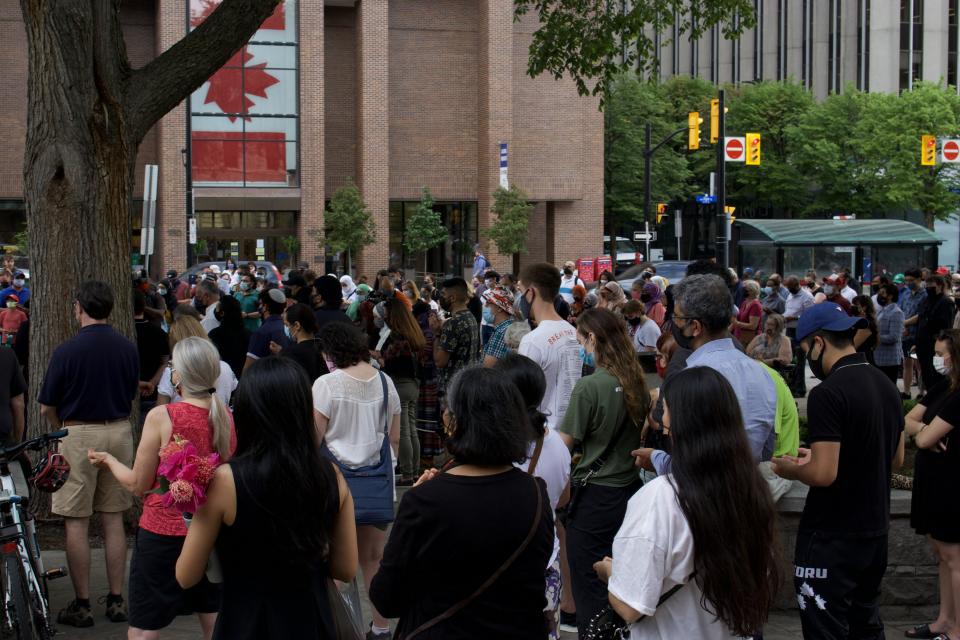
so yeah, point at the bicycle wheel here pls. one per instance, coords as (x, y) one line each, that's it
(20, 608)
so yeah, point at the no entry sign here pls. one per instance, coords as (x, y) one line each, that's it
(950, 150)
(734, 149)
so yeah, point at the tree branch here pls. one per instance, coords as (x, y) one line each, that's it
(158, 87)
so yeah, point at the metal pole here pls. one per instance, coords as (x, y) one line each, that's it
(722, 257)
(189, 170)
(647, 180)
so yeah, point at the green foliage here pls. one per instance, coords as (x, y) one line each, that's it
(593, 42)
(349, 226)
(425, 228)
(511, 210)
(292, 246)
(21, 239)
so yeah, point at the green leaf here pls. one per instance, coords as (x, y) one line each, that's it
(511, 210)
(349, 225)
(424, 229)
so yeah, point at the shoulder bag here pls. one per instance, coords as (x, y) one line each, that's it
(608, 625)
(452, 611)
(371, 486)
(565, 514)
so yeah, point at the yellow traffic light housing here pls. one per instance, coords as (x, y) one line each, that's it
(928, 151)
(714, 120)
(753, 148)
(693, 127)
(661, 211)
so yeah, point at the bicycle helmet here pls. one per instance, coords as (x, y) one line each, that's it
(51, 472)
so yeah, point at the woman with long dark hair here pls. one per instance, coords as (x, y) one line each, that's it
(400, 359)
(707, 530)
(276, 554)
(231, 338)
(548, 459)
(300, 325)
(605, 418)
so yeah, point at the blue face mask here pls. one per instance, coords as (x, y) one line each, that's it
(286, 332)
(587, 357)
(767, 291)
(488, 315)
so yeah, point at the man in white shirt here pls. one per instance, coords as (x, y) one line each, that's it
(569, 280)
(798, 301)
(846, 290)
(208, 293)
(553, 344)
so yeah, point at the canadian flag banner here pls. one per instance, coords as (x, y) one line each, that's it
(244, 126)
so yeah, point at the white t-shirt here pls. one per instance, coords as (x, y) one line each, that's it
(567, 283)
(209, 321)
(354, 409)
(553, 345)
(849, 293)
(553, 468)
(646, 335)
(226, 383)
(653, 552)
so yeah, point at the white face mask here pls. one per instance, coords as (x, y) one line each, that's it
(18, 282)
(940, 365)
(828, 289)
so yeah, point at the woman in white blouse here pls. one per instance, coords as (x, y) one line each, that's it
(696, 556)
(348, 412)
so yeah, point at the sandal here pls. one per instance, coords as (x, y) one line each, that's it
(921, 631)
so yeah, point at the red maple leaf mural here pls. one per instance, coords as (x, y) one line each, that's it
(200, 9)
(230, 86)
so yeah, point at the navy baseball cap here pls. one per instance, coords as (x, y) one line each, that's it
(827, 316)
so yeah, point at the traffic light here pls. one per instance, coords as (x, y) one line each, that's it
(928, 150)
(714, 120)
(753, 148)
(661, 211)
(693, 127)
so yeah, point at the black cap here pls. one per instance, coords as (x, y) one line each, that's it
(171, 274)
(295, 280)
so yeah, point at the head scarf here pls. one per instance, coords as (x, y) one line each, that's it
(654, 292)
(661, 282)
(362, 292)
(615, 298)
(346, 284)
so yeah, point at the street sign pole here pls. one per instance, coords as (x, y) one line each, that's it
(722, 252)
(647, 181)
(678, 230)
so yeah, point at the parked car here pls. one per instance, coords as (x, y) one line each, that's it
(673, 270)
(265, 269)
(627, 253)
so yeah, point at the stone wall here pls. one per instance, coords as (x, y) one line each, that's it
(910, 587)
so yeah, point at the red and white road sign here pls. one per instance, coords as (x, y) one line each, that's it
(950, 151)
(734, 149)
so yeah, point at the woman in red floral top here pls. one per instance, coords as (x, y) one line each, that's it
(203, 420)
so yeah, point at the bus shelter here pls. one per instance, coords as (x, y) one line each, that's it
(867, 247)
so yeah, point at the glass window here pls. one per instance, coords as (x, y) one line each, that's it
(244, 119)
(451, 257)
(897, 259)
(758, 257)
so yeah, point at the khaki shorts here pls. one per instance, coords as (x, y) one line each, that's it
(89, 488)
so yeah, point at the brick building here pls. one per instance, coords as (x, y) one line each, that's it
(392, 95)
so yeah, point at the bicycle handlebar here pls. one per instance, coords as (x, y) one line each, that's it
(35, 444)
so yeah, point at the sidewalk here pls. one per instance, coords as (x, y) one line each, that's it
(783, 625)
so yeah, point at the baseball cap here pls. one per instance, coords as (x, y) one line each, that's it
(827, 316)
(13, 297)
(898, 279)
(277, 296)
(171, 274)
(215, 268)
(500, 297)
(295, 280)
(943, 271)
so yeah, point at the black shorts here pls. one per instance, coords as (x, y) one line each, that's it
(155, 598)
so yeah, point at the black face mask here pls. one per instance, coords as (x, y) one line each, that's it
(634, 321)
(525, 308)
(568, 272)
(794, 291)
(644, 297)
(445, 303)
(882, 301)
(932, 292)
(816, 366)
(683, 341)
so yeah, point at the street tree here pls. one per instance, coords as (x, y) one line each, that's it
(88, 112)
(511, 222)
(349, 225)
(593, 42)
(424, 229)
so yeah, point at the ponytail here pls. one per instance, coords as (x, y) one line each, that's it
(219, 417)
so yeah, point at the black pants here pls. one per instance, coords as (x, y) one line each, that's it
(798, 380)
(892, 372)
(590, 531)
(837, 582)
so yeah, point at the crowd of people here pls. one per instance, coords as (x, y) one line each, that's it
(576, 452)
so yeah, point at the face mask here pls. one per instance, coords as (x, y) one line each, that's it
(259, 287)
(767, 290)
(683, 341)
(286, 332)
(18, 282)
(913, 285)
(882, 301)
(378, 322)
(941, 367)
(932, 292)
(523, 308)
(603, 283)
(644, 297)
(568, 272)
(634, 322)
(816, 365)
(11, 305)
(828, 289)
(794, 292)
(587, 357)
(218, 315)
(444, 303)
(162, 291)
(488, 315)
(385, 292)
(244, 286)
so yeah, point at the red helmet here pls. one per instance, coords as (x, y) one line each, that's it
(51, 472)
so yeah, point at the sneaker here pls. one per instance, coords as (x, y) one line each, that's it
(568, 622)
(75, 615)
(116, 608)
(377, 636)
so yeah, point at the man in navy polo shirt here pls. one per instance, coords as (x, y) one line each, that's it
(90, 386)
(272, 305)
(856, 440)
(18, 288)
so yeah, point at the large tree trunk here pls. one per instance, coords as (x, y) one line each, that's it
(87, 113)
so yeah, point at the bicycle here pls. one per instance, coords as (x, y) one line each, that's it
(26, 614)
